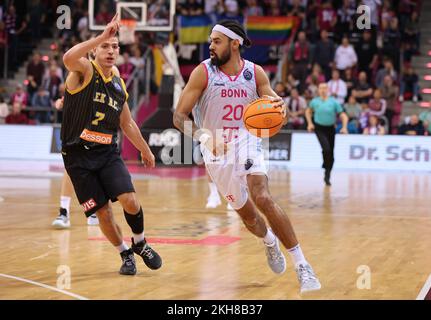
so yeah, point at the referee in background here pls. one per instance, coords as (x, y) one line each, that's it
(325, 110)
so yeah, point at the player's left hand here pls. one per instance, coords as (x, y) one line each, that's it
(278, 103)
(147, 158)
(344, 130)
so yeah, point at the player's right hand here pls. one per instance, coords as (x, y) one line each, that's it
(310, 127)
(111, 28)
(219, 149)
(148, 159)
(59, 103)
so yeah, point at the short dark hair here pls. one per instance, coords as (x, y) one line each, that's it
(238, 28)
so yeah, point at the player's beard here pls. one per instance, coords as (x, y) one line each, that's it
(222, 60)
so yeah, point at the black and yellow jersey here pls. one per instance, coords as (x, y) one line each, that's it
(91, 113)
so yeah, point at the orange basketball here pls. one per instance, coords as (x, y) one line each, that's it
(259, 115)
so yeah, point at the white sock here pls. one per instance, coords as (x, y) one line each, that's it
(65, 203)
(269, 238)
(297, 255)
(138, 237)
(122, 247)
(213, 190)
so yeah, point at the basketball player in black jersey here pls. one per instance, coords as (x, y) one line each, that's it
(95, 107)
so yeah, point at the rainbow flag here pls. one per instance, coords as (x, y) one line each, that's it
(194, 29)
(270, 30)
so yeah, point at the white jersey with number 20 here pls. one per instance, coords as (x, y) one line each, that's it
(221, 106)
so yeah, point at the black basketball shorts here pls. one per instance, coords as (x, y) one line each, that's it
(98, 175)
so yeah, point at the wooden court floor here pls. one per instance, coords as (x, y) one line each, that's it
(367, 237)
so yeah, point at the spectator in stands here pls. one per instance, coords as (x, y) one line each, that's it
(192, 8)
(316, 73)
(16, 116)
(126, 68)
(252, 9)
(3, 45)
(292, 83)
(412, 32)
(104, 14)
(296, 8)
(345, 16)
(392, 43)
(345, 55)
(230, 8)
(52, 82)
(300, 54)
(373, 5)
(280, 89)
(312, 90)
(377, 105)
(337, 87)
(388, 69)
(4, 110)
(19, 96)
(53, 64)
(36, 15)
(324, 53)
(13, 32)
(409, 85)
(367, 54)
(365, 114)
(353, 111)
(425, 117)
(390, 94)
(35, 70)
(374, 127)
(414, 127)
(296, 106)
(326, 17)
(350, 81)
(41, 99)
(387, 14)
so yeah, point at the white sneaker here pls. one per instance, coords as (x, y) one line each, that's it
(307, 278)
(415, 98)
(213, 202)
(275, 258)
(401, 98)
(62, 221)
(93, 220)
(229, 207)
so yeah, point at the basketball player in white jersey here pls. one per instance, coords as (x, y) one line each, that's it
(217, 93)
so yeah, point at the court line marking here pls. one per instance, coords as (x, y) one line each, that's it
(220, 211)
(73, 295)
(425, 289)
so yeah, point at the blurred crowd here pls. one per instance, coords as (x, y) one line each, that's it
(368, 71)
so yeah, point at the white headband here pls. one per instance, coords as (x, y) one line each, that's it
(229, 33)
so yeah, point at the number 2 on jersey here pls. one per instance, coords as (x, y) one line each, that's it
(99, 117)
(236, 111)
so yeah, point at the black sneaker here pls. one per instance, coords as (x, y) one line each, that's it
(150, 257)
(327, 177)
(129, 265)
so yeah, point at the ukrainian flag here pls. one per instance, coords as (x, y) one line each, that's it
(194, 29)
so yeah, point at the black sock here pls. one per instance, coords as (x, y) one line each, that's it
(135, 221)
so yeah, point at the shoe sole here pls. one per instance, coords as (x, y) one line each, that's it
(59, 227)
(312, 289)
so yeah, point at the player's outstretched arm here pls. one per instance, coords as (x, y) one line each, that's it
(75, 58)
(189, 97)
(132, 132)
